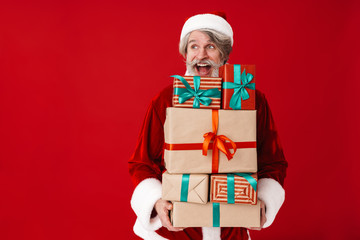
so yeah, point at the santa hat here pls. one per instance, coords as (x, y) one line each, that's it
(215, 21)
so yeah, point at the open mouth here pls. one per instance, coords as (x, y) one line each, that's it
(203, 69)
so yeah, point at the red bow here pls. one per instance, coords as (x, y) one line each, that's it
(219, 143)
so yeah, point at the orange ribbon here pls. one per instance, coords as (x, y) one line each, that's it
(219, 143)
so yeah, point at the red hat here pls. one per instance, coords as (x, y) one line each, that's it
(215, 21)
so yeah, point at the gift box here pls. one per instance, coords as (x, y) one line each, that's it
(238, 88)
(234, 188)
(215, 215)
(197, 92)
(192, 144)
(185, 187)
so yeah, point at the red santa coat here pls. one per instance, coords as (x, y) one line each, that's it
(146, 166)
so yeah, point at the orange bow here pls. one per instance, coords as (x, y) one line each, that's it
(219, 143)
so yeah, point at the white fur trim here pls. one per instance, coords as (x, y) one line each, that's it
(209, 21)
(211, 233)
(143, 200)
(140, 231)
(273, 195)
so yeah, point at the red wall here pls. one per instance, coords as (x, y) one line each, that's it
(76, 78)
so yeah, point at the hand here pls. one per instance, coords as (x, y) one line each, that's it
(262, 217)
(162, 207)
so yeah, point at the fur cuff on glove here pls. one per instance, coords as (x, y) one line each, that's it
(143, 200)
(140, 231)
(273, 195)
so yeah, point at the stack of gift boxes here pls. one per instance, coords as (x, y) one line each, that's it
(210, 150)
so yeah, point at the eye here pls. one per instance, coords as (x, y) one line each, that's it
(211, 47)
(194, 46)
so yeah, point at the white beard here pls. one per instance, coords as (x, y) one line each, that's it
(190, 67)
(190, 72)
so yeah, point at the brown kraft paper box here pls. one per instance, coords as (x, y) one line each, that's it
(185, 126)
(201, 215)
(198, 187)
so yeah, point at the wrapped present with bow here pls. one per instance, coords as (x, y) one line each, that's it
(238, 87)
(215, 215)
(185, 187)
(209, 141)
(234, 188)
(197, 92)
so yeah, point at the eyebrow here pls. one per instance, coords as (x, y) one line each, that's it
(193, 40)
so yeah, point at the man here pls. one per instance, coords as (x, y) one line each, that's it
(206, 42)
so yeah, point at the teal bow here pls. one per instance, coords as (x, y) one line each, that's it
(240, 91)
(200, 96)
(231, 184)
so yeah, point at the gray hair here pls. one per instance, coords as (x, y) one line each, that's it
(222, 42)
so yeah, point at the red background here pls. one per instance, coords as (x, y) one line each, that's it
(76, 79)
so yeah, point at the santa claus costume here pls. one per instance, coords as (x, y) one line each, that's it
(146, 165)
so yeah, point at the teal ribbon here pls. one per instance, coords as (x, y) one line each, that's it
(231, 185)
(216, 215)
(230, 188)
(184, 187)
(240, 91)
(200, 95)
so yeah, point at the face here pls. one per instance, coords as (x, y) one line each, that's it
(202, 57)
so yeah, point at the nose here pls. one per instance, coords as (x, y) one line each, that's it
(202, 54)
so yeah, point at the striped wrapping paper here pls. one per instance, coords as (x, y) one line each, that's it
(244, 193)
(205, 84)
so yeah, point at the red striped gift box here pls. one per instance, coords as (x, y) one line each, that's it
(205, 84)
(244, 192)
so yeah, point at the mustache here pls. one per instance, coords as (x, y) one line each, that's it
(197, 61)
(190, 67)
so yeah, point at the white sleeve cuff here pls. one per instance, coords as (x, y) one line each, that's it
(140, 231)
(273, 195)
(143, 200)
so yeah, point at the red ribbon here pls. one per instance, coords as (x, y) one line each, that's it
(219, 143)
(198, 146)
